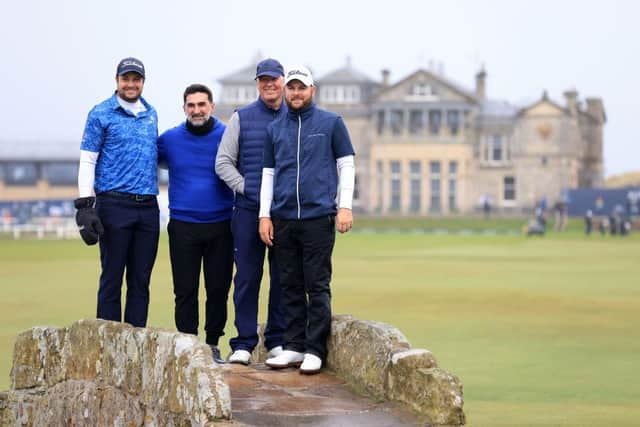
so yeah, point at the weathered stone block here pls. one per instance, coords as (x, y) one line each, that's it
(120, 360)
(103, 373)
(415, 380)
(38, 358)
(81, 402)
(435, 393)
(360, 352)
(83, 350)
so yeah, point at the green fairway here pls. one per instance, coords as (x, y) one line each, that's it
(541, 331)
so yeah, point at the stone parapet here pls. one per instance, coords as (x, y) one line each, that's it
(378, 360)
(102, 373)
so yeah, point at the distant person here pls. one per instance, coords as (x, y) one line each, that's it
(308, 165)
(239, 164)
(599, 205)
(561, 215)
(543, 204)
(486, 205)
(540, 218)
(588, 222)
(200, 206)
(118, 163)
(604, 225)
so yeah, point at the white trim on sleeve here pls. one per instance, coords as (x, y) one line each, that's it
(87, 172)
(346, 181)
(266, 192)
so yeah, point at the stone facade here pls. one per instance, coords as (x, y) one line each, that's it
(425, 145)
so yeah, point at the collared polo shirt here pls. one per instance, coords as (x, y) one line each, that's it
(126, 147)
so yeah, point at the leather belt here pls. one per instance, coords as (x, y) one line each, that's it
(136, 197)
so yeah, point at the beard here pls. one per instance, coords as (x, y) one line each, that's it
(304, 105)
(198, 121)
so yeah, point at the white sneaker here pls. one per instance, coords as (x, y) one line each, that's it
(311, 364)
(240, 356)
(275, 351)
(286, 359)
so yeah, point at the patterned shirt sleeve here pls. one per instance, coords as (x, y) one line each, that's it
(92, 137)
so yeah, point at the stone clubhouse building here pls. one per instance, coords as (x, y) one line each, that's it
(424, 145)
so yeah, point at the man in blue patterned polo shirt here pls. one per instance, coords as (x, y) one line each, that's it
(118, 163)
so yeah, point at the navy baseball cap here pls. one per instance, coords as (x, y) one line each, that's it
(269, 67)
(128, 65)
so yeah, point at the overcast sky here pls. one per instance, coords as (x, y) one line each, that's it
(58, 58)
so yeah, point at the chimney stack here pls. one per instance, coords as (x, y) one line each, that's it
(595, 108)
(385, 77)
(481, 84)
(572, 101)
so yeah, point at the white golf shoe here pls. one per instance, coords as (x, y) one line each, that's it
(286, 359)
(311, 364)
(240, 356)
(275, 351)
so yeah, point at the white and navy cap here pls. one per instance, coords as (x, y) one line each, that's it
(301, 73)
(128, 65)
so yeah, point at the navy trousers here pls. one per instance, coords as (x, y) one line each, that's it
(193, 245)
(303, 251)
(129, 242)
(249, 254)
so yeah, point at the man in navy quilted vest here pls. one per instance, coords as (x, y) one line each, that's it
(239, 164)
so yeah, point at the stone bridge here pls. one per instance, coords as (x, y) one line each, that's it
(101, 373)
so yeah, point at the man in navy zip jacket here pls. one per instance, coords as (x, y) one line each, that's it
(308, 163)
(200, 207)
(239, 164)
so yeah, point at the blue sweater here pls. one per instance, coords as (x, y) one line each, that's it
(196, 194)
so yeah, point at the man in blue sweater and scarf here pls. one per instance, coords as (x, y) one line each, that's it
(200, 206)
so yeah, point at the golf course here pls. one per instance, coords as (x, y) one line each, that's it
(540, 330)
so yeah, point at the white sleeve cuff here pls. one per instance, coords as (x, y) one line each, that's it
(346, 181)
(266, 193)
(87, 173)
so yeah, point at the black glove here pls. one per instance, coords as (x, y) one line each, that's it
(87, 219)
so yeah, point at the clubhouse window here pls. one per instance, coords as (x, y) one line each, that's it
(435, 119)
(416, 121)
(20, 173)
(337, 94)
(396, 185)
(453, 121)
(61, 173)
(453, 186)
(239, 94)
(509, 186)
(496, 149)
(380, 182)
(434, 179)
(380, 122)
(415, 185)
(397, 118)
